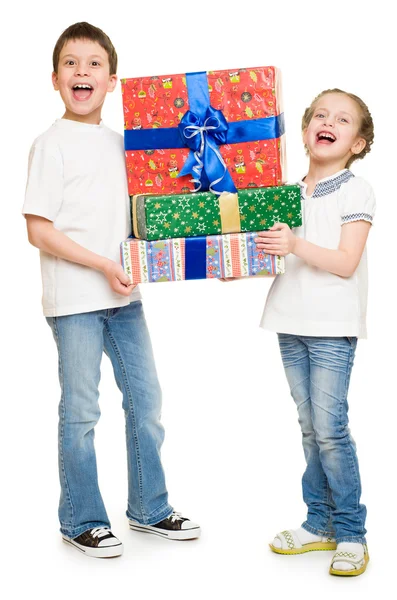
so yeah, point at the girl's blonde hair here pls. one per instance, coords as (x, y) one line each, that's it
(366, 129)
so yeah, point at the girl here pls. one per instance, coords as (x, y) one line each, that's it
(318, 309)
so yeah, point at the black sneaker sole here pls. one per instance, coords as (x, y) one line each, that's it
(183, 534)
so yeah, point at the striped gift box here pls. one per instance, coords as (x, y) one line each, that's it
(211, 257)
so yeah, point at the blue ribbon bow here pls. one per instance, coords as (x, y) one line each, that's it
(202, 136)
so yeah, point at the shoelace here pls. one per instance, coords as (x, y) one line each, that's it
(176, 516)
(99, 532)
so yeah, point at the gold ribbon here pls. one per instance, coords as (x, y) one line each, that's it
(134, 217)
(230, 214)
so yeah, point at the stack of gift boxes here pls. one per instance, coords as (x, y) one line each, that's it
(205, 157)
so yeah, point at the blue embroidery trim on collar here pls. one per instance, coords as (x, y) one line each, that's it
(331, 185)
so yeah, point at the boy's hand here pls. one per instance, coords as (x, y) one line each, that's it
(45, 236)
(279, 240)
(118, 280)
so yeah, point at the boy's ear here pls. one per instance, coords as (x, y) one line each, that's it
(304, 133)
(54, 78)
(358, 146)
(112, 83)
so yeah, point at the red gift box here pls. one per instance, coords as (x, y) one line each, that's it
(245, 96)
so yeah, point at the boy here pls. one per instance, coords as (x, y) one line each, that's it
(77, 211)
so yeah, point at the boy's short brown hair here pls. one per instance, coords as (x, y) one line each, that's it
(85, 31)
(365, 131)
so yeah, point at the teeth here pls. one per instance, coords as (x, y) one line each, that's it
(328, 136)
(82, 86)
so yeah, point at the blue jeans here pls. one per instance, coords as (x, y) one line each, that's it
(81, 339)
(318, 372)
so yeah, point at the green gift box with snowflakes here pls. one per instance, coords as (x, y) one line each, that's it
(205, 213)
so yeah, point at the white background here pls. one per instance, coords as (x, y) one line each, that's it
(232, 452)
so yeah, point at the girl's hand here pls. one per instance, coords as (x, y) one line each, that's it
(227, 279)
(279, 240)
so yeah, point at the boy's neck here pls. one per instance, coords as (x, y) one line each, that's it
(93, 118)
(318, 171)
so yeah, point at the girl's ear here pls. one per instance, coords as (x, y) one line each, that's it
(358, 146)
(304, 138)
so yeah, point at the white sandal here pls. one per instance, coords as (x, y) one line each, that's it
(358, 563)
(290, 544)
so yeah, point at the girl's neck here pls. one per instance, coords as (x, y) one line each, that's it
(318, 171)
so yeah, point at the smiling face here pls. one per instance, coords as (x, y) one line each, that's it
(83, 80)
(332, 135)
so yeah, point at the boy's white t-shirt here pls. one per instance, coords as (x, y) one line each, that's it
(307, 300)
(77, 179)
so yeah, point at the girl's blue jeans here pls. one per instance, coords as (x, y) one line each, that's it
(318, 372)
(81, 340)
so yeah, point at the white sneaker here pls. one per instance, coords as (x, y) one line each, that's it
(98, 542)
(174, 527)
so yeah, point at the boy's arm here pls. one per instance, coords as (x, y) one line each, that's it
(343, 261)
(43, 235)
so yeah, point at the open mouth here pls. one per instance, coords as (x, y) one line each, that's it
(325, 137)
(82, 91)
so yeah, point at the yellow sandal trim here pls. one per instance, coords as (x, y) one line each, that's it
(305, 548)
(352, 572)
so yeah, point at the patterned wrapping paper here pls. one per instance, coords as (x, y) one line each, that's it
(242, 95)
(204, 213)
(210, 257)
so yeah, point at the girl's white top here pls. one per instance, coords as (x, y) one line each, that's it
(307, 300)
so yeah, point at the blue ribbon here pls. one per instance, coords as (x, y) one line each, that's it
(239, 131)
(203, 129)
(196, 257)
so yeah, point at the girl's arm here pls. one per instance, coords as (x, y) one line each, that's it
(43, 235)
(343, 261)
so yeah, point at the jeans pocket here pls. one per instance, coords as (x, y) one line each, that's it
(351, 340)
